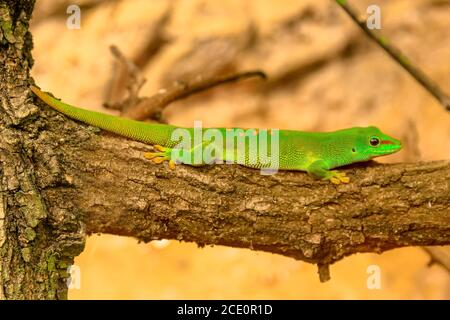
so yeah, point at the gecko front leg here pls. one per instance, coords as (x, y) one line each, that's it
(319, 169)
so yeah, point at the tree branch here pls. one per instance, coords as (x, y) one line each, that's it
(398, 56)
(152, 107)
(119, 192)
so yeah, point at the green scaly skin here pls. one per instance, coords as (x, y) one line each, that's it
(314, 152)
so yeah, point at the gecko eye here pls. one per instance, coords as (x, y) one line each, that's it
(374, 141)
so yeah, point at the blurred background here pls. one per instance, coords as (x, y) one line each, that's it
(324, 74)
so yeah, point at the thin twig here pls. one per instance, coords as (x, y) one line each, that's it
(127, 71)
(397, 55)
(127, 76)
(153, 106)
(439, 255)
(324, 272)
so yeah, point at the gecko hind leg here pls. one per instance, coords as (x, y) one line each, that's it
(180, 156)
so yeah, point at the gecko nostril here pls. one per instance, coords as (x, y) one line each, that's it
(353, 150)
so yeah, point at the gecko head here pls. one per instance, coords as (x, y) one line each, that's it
(371, 143)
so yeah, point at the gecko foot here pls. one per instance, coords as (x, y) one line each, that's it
(337, 177)
(160, 157)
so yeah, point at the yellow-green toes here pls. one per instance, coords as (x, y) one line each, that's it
(160, 157)
(337, 177)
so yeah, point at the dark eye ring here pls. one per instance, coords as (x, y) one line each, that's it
(374, 142)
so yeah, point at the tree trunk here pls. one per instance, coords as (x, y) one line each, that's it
(38, 239)
(61, 180)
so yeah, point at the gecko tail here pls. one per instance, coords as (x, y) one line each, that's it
(151, 133)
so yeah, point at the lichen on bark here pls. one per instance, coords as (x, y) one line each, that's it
(35, 249)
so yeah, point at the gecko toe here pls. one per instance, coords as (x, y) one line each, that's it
(160, 157)
(335, 180)
(160, 148)
(337, 177)
(345, 179)
(159, 160)
(156, 157)
(152, 155)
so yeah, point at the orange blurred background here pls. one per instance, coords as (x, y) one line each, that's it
(323, 75)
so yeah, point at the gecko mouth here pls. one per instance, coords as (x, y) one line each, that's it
(388, 148)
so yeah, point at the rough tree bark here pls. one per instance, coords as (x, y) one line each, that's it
(37, 240)
(60, 180)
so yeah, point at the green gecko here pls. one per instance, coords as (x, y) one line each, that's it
(314, 152)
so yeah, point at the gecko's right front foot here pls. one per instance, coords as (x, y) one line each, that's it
(319, 169)
(337, 177)
(160, 157)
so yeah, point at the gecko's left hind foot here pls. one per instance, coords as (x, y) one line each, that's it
(337, 177)
(160, 157)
